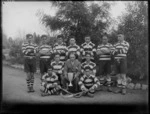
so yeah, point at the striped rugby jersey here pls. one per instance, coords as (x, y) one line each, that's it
(87, 48)
(89, 81)
(74, 48)
(46, 48)
(62, 49)
(85, 65)
(53, 78)
(29, 49)
(122, 49)
(57, 67)
(105, 56)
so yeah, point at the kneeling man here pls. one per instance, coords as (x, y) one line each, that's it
(89, 82)
(50, 84)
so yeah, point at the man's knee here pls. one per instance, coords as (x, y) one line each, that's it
(28, 76)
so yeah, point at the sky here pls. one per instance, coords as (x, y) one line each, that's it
(19, 18)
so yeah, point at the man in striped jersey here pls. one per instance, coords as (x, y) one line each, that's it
(88, 82)
(120, 52)
(57, 67)
(104, 51)
(73, 48)
(50, 84)
(88, 63)
(45, 52)
(88, 47)
(29, 50)
(60, 47)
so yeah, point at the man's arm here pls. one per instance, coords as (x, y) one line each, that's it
(79, 69)
(65, 68)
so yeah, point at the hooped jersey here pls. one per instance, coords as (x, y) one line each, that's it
(53, 78)
(74, 49)
(88, 48)
(29, 49)
(85, 65)
(46, 48)
(89, 81)
(105, 56)
(122, 49)
(61, 49)
(57, 67)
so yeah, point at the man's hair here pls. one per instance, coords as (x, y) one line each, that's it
(60, 36)
(72, 37)
(87, 36)
(44, 35)
(27, 35)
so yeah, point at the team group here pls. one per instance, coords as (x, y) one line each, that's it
(59, 61)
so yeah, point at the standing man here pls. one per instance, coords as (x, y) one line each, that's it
(72, 65)
(60, 47)
(88, 47)
(29, 50)
(45, 52)
(120, 52)
(73, 48)
(104, 51)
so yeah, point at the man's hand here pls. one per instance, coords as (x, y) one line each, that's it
(99, 52)
(83, 88)
(93, 87)
(105, 51)
(60, 71)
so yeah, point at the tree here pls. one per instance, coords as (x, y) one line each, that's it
(78, 19)
(5, 42)
(135, 28)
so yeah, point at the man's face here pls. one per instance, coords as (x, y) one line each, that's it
(49, 71)
(87, 39)
(120, 37)
(87, 72)
(30, 39)
(72, 57)
(72, 41)
(88, 57)
(59, 40)
(44, 40)
(57, 57)
(105, 40)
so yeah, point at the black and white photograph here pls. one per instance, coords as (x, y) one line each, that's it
(75, 52)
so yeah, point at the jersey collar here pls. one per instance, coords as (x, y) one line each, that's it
(88, 43)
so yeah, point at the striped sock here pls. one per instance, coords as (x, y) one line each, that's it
(28, 82)
(32, 82)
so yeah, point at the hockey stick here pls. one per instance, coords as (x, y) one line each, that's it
(65, 91)
(77, 95)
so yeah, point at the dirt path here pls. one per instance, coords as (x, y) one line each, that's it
(15, 90)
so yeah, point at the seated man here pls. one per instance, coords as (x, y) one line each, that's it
(88, 82)
(72, 65)
(57, 67)
(50, 84)
(89, 63)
